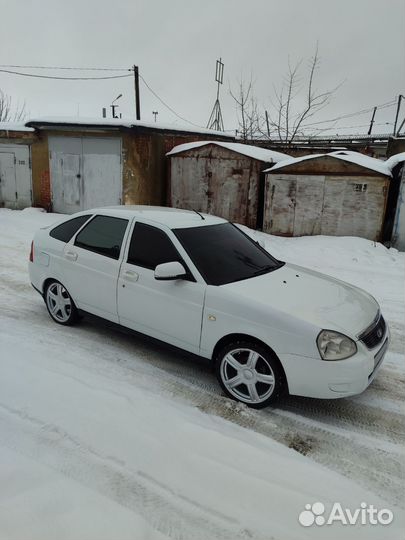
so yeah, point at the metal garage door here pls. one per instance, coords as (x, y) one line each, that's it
(328, 205)
(293, 205)
(354, 206)
(15, 176)
(85, 173)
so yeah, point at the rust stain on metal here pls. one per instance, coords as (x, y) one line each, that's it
(329, 204)
(218, 181)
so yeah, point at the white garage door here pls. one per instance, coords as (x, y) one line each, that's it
(85, 173)
(15, 176)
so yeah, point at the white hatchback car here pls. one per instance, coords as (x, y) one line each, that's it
(199, 283)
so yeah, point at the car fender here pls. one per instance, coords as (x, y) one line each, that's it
(226, 313)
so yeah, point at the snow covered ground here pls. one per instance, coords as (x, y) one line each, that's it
(104, 435)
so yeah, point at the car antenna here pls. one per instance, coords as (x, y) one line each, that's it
(201, 216)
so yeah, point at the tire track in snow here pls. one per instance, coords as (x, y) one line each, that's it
(360, 440)
(169, 512)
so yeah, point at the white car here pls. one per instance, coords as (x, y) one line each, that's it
(199, 283)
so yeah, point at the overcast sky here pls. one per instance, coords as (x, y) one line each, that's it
(175, 43)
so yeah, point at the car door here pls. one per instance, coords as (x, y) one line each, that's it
(91, 263)
(167, 310)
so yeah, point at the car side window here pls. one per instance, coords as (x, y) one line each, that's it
(151, 246)
(65, 231)
(103, 235)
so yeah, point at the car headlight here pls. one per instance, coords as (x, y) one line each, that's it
(335, 346)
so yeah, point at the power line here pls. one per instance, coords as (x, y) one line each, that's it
(350, 115)
(65, 67)
(32, 75)
(54, 77)
(166, 105)
(72, 68)
(357, 126)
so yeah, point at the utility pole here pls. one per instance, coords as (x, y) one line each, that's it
(136, 87)
(267, 124)
(155, 113)
(397, 113)
(372, 121)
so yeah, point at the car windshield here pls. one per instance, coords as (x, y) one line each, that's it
(224, 254)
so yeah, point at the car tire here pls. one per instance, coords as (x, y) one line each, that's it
(248, 372)
(59, 304)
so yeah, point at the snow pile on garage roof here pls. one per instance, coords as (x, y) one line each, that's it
(117, 123)
(255, 152)
(14, 126)
(345, 155)
(394, 160)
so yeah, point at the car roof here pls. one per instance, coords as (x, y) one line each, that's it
(171, 217)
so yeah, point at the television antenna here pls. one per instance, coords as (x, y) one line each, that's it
(216, 122)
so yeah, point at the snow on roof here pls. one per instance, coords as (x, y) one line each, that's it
(395, 159)
(345, 155)
(118, 123)
(255, 152)
(14, 126)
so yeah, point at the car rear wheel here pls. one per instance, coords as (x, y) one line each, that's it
(60, 304)
(250, 373)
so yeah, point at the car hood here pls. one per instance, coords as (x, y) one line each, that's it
(311, 296)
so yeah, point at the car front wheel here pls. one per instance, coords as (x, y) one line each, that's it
(60, 304)
(250, 373)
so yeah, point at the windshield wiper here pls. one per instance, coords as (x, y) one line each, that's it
(265, 269)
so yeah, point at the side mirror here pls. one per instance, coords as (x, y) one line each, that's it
(170, 271)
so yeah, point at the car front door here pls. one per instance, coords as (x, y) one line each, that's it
(167, 310)
(91, 263)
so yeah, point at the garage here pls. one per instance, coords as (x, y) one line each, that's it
(337, 194)
(221, 178)
(15, 176)
(85, 172)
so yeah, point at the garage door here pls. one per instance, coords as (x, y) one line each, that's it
(354, 206)
(15, 176)
(293, 205)
(85, 173)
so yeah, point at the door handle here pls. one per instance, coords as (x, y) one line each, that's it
(130, 275)
(71, 255)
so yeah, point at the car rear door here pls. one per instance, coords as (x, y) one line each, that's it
(167, 310)
(91, 265)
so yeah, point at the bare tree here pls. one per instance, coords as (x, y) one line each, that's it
(8, 113)
(290, 116)
(249, 119)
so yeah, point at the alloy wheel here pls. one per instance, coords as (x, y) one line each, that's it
(247, 375)
(58, 302)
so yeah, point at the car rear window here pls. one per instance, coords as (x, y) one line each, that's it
(103, 235)
(68, 229)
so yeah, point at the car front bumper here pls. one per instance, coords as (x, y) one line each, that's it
(325, 379)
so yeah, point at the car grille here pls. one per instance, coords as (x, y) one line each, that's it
(374, 334)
